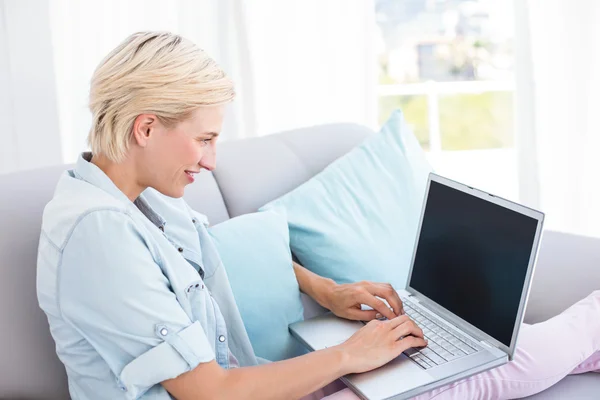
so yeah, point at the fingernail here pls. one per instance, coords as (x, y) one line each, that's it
(378, 316)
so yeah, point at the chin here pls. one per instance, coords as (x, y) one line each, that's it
(177, 193)
(172, 192)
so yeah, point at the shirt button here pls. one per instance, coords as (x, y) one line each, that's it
(164, 331)
(162, 228)
(194, 221)
(180, 249)
(221, 338)
(123, 388)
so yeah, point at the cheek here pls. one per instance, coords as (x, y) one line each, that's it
(195, 153)
(187, 153)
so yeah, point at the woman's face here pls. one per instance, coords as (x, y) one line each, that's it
(172, 157)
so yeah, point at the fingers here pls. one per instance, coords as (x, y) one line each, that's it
(360, 315)
(407, 327)
(387, 292)
(369, 299)
(410, 341)
(397, 321)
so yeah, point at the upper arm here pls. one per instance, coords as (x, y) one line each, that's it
(114, 293)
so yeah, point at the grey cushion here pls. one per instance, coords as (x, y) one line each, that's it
(204, 196)
(568, 269)
(252, 172)
(573, 387)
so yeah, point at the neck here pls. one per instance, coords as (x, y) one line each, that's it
(122, 175)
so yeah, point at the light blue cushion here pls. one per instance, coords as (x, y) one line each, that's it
(255, 251)
(357, 219)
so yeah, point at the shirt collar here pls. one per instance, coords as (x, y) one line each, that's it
(89, 172)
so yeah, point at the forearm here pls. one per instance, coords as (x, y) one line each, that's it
(314, 285)
(289, 379)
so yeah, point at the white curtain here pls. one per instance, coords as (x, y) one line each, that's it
(84, 32)
(313, 62)
(565, 55)
(29, 134)
(295, 63)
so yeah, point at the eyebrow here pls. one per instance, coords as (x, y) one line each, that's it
(213, 134)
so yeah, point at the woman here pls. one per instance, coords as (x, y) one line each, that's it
(137, 299)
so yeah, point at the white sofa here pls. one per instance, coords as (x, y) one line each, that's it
(250, 173)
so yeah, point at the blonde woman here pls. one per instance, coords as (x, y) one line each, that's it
(130, 280)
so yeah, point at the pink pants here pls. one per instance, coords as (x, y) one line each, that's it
(546, 352)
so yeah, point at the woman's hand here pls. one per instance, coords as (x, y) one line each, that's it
(379, 342)
(345, 301)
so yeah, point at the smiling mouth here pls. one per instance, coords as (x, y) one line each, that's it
(191, 174)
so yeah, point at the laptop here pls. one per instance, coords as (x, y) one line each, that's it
(468, 284)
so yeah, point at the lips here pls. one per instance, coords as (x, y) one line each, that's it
(190, 174)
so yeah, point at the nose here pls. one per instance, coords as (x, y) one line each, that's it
(208, 160)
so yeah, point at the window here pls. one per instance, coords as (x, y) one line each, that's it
(449, 65)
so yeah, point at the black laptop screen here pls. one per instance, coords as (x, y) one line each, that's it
(472, 257)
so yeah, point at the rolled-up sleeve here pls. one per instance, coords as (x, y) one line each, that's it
(113, 291)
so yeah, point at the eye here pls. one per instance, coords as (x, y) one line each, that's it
(205, 142)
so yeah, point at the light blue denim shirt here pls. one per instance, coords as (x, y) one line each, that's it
(135, 292)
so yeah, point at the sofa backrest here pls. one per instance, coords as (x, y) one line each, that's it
(250, 173)
(29, 368)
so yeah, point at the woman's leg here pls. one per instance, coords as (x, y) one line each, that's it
(566, 344)
(592, 364)
(344, 394)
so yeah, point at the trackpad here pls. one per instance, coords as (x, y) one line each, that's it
(397, 376)
(325, 330)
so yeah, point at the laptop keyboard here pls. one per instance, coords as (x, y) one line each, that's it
(444, 345)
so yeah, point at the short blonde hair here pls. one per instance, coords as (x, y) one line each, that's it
(150, 72)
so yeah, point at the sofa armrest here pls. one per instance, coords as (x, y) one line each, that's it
(568, 269)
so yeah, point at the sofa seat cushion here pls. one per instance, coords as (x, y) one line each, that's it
(573, 387)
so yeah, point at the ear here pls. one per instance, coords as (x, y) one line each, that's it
(144, 126)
